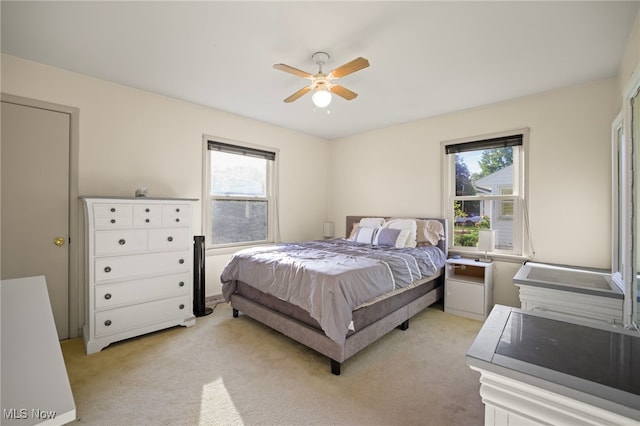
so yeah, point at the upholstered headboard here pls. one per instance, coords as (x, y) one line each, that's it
(442, 244)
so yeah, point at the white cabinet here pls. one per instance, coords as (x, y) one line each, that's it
(468, 288)
(139, 267)
(570, 292)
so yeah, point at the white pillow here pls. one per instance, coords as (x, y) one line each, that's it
(430, 232)
(371, 222)
(365, 234)
(405, 224)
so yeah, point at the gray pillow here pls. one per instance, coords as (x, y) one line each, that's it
(388, 237)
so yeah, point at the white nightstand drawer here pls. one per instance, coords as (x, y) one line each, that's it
(170, 239)
(117, 320)
(120, 242)
(127, 292)
(140, 265)
(464, 296)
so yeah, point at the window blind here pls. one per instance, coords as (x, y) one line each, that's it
(501, 142)
(241, 150)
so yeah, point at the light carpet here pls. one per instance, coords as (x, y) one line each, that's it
(235, 371)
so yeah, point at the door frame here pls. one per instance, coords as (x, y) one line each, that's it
(76, 305)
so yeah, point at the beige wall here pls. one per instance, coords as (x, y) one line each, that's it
(397, 171)
(130, 139)
(631, 59)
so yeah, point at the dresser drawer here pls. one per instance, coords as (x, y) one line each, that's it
(134, 316)
(170, 239)
(123, 241)
(123, 293)
(112, 216)
(176, 215)
(140, 265)
(147, 215)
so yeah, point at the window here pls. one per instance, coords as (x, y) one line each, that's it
(484, 189)
(240, 205)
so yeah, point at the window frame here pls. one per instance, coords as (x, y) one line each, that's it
(618, 202)
(271, 195)
(521, 241)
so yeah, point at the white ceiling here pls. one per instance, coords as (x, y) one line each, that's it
(427, 58)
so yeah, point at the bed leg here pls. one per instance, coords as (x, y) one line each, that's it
(335, 367)
(235, 313)
(404, 326)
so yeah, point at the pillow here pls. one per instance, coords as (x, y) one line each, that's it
(405, 224)
(387, 237)
(354, 231)
(365, 235)
(429, 232)
(372, 222)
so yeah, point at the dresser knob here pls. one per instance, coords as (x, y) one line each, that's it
(170, 239)
(181, 306)
(146, 220)
(113, 221)
(177, 210)
(122, 242)
(107, 269)
(177, 219)
(107, 296)
(113, 209)
(147, 210)
(181, 284)
(107, 323)
(181, 261)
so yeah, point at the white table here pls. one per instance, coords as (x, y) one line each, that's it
(35, 387)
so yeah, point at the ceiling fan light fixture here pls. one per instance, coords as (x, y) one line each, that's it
(321, 98)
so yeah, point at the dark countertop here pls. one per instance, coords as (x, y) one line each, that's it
(596, 364)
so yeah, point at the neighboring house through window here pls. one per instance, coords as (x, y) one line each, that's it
(240, 194)
(485, 189)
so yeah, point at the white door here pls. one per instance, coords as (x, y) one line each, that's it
(35, 201)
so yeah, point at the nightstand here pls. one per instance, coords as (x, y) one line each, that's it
(468, 288)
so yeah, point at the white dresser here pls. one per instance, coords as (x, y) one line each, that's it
(569, 292)
(139, 267)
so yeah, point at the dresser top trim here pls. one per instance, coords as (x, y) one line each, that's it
(87, 197)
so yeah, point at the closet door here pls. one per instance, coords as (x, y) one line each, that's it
(35, 201)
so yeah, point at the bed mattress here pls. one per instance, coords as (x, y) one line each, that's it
(363, 316)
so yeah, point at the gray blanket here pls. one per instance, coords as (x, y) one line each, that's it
(329, 279)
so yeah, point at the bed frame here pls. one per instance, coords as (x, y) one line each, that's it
(305, 332)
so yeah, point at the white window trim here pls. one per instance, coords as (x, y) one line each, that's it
(627, 231)
(521, 240)
(273, 227)
(618, 199)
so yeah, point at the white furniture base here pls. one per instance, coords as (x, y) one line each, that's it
(511, 402)
(35, 385)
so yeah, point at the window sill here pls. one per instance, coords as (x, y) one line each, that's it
(232, 249)
(493, 256)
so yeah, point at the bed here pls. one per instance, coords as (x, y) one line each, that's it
(338, 296)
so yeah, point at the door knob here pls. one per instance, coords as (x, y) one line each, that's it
(59, 241)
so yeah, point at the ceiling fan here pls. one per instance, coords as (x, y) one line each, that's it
(321, 83)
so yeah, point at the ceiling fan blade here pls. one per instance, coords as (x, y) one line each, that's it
(349, 67)
(292, 70)
(343, 92)
(298, 94)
